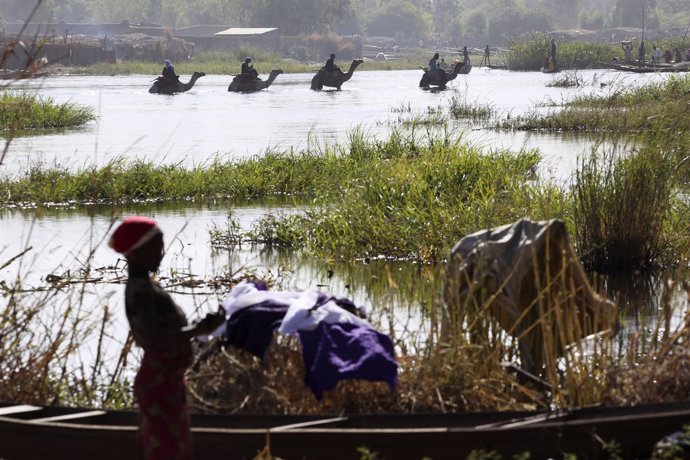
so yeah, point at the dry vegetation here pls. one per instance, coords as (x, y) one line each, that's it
(46, 334)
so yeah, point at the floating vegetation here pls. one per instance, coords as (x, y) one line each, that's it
(21, 111)
(462, 109)
(567, 79)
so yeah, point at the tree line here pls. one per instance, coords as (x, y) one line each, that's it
(493, 20)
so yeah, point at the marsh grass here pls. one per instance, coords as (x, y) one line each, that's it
(412, 198)
(635, 189)
(45, 333)
(629, 212)
(22, 111)
(407, 196)
(120, 181)
(528, 51)
(229, 63)
(567, 79)
(460, 371)
(432, 117)
(462, 109)
(659, 107)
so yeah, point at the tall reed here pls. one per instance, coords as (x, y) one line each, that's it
(621, 205)
(528, 51)
(56, 342)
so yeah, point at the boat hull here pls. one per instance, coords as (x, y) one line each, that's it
(439, 436)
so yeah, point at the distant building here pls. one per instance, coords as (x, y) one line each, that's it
(222, 37)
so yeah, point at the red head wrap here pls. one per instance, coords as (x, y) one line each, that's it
(133, 233)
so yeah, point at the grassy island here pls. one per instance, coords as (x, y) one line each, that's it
(21, 111)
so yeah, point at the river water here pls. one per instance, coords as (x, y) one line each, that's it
(208, 122)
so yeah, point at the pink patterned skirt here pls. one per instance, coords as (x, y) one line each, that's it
(164, 429)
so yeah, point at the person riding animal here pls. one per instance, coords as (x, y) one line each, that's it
(434, 67)
(331, 66)
(248, 69)
(169, 78)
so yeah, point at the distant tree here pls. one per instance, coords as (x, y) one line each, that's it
(563, 13)
(510, 22)
(73, 10)
(444, 11)
(400, 16)
(12, 10)
(117, 11)
(593, 20)
(475, 24)
(154, 11)
(501, 5)
(295, 17)
(628, 13)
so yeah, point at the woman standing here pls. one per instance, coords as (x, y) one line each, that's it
(160, 327)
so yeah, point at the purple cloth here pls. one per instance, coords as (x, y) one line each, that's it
(252, 328)
(335, 352)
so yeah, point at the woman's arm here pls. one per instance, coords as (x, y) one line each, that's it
(149, 330)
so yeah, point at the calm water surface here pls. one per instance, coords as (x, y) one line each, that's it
(208, 122)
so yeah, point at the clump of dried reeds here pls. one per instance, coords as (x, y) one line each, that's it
(42, 338)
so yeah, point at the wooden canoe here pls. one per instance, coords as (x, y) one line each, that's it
(33, 432)
(649, 68)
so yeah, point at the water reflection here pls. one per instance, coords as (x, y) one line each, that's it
(61, 236)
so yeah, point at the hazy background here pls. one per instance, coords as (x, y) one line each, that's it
(490, 20)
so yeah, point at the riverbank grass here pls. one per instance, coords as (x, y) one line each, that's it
(658, 107)
(527, 52)
(21, 111)
(228, 63)
(411, 195)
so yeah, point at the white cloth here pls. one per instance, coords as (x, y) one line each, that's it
(244, 295)
(301, 317)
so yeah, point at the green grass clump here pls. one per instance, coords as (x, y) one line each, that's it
(413, 200)
(567, 79)
(273, 173)
(660, 107)
(25, 111)
(528, 52)
(462, 109)
(621, 206)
